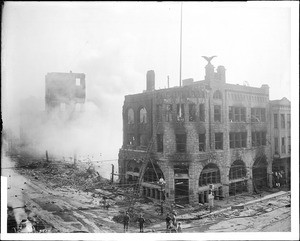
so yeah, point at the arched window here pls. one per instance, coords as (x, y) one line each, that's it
(237, 170)
(259, 172)
(153, 173)
(217, 95)
(143, 115)
(130, 116)
(210, 175)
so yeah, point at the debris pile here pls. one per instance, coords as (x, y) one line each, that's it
(62, 174)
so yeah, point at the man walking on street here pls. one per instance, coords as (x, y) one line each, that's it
(141, 221)
(126, 222)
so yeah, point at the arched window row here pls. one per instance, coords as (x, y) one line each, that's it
(142, 116)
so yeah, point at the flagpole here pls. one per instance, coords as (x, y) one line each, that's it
(180, 46)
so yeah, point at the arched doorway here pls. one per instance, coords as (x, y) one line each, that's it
(210, 175)
(259, 173)
(237, 174)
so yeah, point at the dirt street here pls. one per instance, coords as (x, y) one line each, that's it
(61, 206)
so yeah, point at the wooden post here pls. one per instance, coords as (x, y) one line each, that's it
(75, 158)
(112, 173)
(47, 158)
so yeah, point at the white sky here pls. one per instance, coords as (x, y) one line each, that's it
(115, 44)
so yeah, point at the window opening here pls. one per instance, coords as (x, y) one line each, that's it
(202, 142)
(218, 141)
(181, 142)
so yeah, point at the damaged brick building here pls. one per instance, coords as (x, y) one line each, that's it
(281, 136)
(65, 92)
(201, 133)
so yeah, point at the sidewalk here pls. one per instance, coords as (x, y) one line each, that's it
(198, 215)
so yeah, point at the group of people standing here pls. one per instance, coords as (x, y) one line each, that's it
(171, 223)
(278, 179)
(141, 221)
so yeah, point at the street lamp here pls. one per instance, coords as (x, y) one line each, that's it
(161, 183)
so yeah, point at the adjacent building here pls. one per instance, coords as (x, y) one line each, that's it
(201, 135)
(281, 137)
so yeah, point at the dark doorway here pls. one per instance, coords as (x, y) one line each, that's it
(259, 173)
(181, 191)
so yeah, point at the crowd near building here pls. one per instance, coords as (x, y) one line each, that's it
(203, 135)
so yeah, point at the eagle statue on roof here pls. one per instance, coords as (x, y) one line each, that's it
(209, 58)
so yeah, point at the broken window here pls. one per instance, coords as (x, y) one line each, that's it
(180, 112)
(77, 82)
(169, 110)
(258, 138)
(237, 170)
(181, 142)
(276, 145)
(160, 143)
(218, 141)
(159, 113)
(210, 175)
(276, 121)
(258, 114)
(282, 121)
(217, 113)
(217, 95)
(201, 142)
(130, 139)
(192, 112)
(201, 112)
(237, 139)
(142, 140)
(283, 145)
(237, 114)
(130, 116)
(143, 115)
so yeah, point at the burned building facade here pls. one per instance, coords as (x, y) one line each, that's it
(65, 92)
(281, 136)
(201, 134)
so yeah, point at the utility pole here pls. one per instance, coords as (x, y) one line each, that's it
(180, 46)
(47, 158)
(112, 173)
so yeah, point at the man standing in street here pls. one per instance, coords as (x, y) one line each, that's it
(141, 221)
(126, 222)
(211, 200)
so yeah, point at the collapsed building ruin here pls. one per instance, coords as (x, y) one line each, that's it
(65, 95)
(65, 91)
(201, 133)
